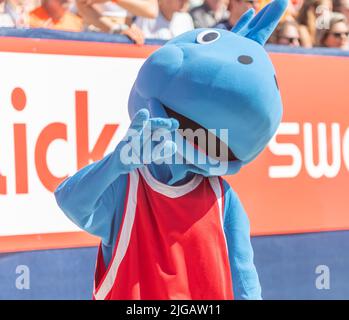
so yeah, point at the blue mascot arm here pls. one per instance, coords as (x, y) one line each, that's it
(237, 231)
(95, 195)
(92, 197)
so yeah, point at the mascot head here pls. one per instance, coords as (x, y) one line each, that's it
(212, 79)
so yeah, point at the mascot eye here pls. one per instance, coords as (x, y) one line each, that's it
(208, 36)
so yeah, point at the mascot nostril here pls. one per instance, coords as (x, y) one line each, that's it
(170, 226)
(245, 59)
(276, 82)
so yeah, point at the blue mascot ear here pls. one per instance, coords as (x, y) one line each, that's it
(244, 20)
(263, 24)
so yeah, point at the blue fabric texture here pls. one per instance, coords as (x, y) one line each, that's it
(224, 80)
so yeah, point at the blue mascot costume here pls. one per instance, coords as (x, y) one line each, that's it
(170, 226)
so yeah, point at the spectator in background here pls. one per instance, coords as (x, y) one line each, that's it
(54, 14)
(312, 14)
(170, 22)
(286, 33)
(5, 18)
(236, 9)
(209, 13)
(336, 36)
(93, 16)
(110, 15)
(293, 9)
(14, 13)
(341, 6)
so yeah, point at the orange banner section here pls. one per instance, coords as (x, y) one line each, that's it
(299, 183)
(76, 48)
(47, 241)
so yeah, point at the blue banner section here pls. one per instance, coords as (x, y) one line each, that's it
(115, 38)
(304, 266)
(75, 36)
(51, 274)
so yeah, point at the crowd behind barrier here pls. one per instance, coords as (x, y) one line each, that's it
(306, 23)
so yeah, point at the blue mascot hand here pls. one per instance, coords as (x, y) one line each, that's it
(85, 198)
(142, 143)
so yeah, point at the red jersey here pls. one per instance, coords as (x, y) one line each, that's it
(171, 243)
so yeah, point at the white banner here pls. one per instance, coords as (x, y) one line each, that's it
(47, 103)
